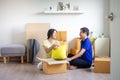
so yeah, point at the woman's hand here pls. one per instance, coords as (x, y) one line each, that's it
(54, 46)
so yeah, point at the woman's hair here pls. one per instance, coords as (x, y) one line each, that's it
(50, 33)
(85, 29)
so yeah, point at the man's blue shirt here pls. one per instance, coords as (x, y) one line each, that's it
(87, 55)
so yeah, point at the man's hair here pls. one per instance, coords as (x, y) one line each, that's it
(50, 33)
(85, 29)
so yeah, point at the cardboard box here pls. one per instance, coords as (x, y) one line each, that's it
(102, 65)
(51, 66)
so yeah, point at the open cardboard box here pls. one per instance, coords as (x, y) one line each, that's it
(51, 66)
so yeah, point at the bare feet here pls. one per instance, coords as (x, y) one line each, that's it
(72, 67)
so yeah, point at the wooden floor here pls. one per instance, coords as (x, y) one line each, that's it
(17, 71)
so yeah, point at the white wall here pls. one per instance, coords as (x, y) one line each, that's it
(14, 14)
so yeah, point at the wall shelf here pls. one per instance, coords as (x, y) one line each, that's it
(63, 12)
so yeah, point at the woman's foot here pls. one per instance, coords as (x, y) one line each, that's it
(39, 65)
(72, 67)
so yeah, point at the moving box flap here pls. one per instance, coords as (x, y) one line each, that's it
(51, 61)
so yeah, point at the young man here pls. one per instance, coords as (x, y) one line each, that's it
(84, 57)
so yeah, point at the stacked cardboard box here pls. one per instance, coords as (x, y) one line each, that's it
(102, 65)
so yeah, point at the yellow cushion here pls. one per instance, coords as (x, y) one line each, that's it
(59, 53)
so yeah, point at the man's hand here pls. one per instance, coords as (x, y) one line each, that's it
(68, 59)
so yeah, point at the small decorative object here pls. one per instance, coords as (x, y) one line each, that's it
(60, 6)
(94, 41)
(75, 8)
(102, 35)
(91, 34)
(67, 6)
(50, 8)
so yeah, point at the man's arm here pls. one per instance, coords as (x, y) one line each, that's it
(81, 52)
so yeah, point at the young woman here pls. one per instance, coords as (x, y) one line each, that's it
(49, 44)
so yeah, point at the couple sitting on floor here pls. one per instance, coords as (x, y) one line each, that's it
(81, 60)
